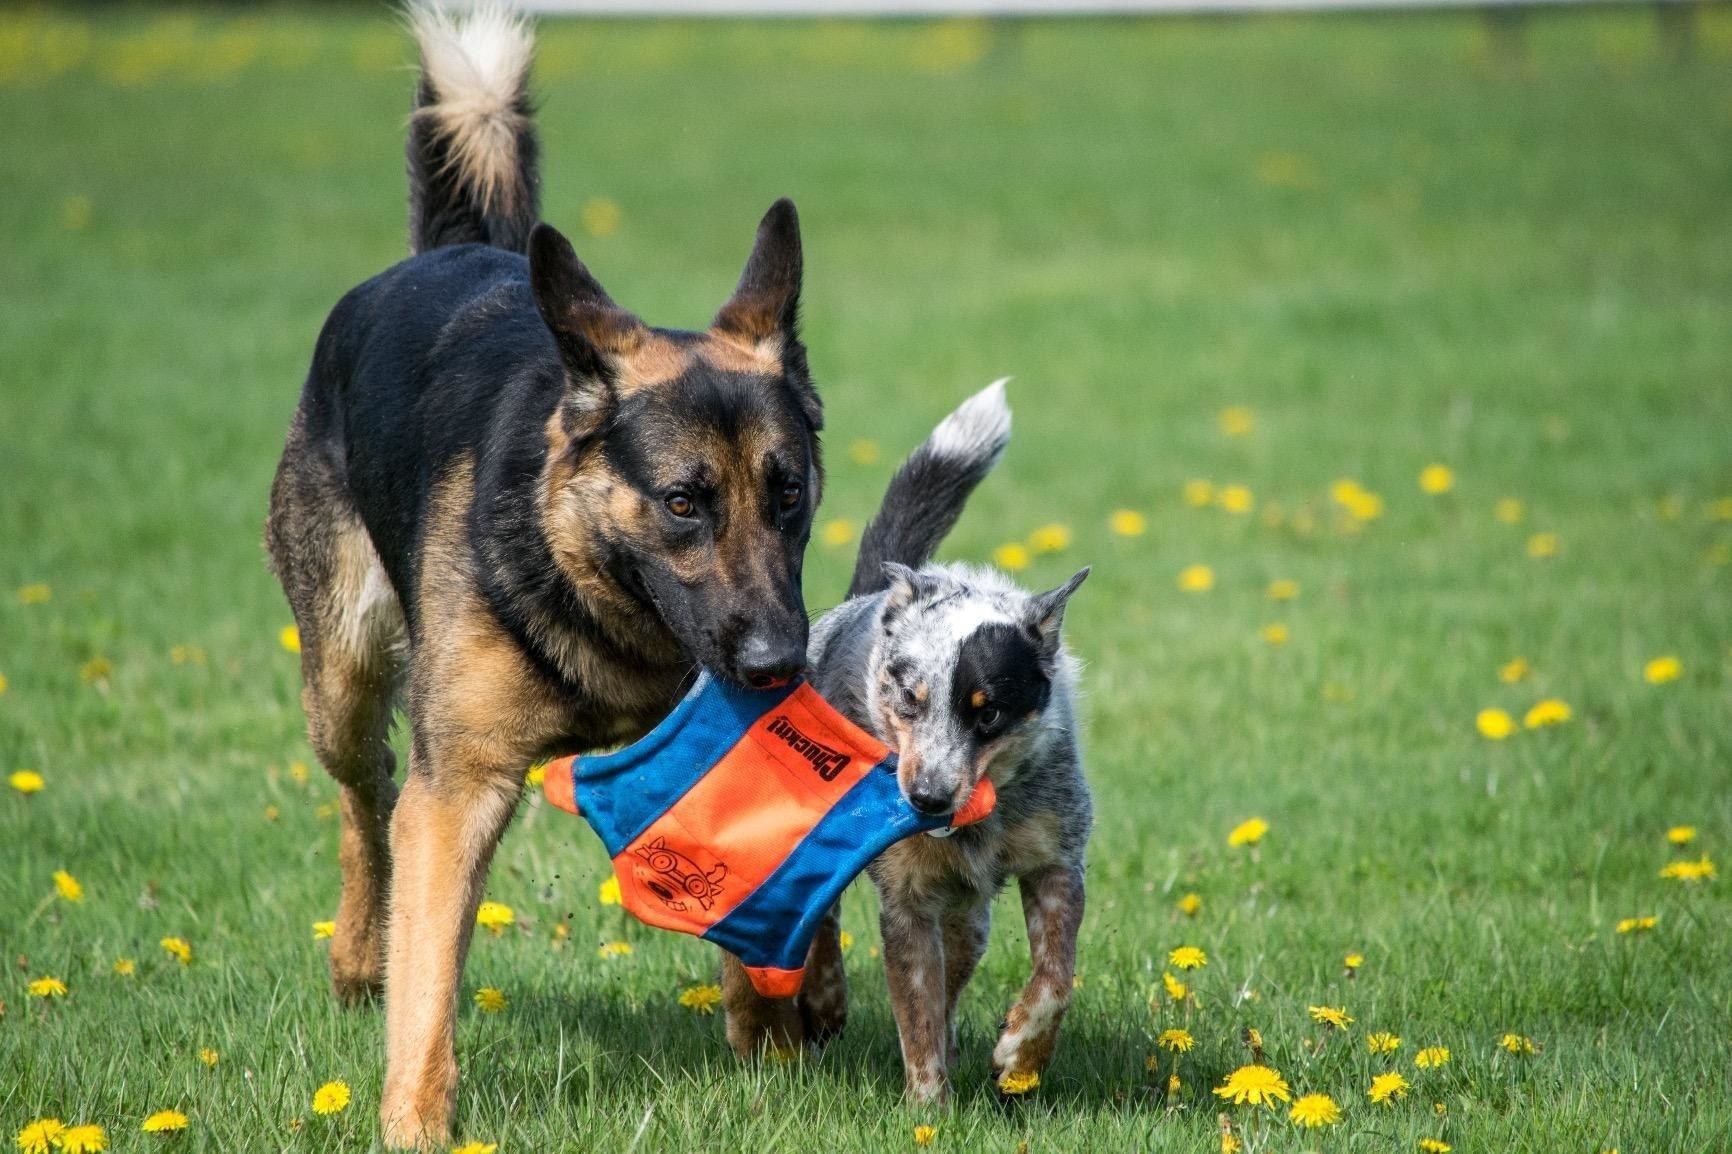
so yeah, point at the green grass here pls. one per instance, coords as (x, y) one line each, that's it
(1396, 244)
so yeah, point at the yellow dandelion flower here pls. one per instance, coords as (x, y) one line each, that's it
(1313, 1111)
(1230, 1144)
(838, 532)
(1190, 905)
(536, 775)
(1639, 925)
(322, 930)
(26, 781)
(272, 813)
(1434, 1146)
(1196, 579)
(1248, 832)
(607, 893)
(1494, 724)
(1199, 494)
(1176, 989)
(845, 940)
(1662, 669)
(1284, 589)
(125, 967)
(1188, 958)
(1436, 479)
(1353, 961)
(1387, 1088)
(41, 1136)
(289, 637)
(1017, 1082)
(179, 948)
(67, 886)
(47, 988)
(1519, 1044)
(701, 999)
(561, 931)
(1254, 1086)
(97, 669)
(1128, 523)
(494, 917)
(1690, 872)
(1332, 1016)
(331, 1098)
(476, 1148)
(299, 773)
(611, 950)
(1431, 1057)
(1382, 1042)
(1439, 1109)
(1174, 1085)
(863, 451)
(490, 1000)
(1050, 538)
(1236, 420)
(1076, 981)
(601, 216)
(1236, 499)
(1516, 669)
(1360, 503)
(2, 685)
(1012, 556)
(1551, 711)
(1543, 545)
(209, 1057)
(923, 1135)
(85, 1139)
(1681, 834)
(37, 593)
(1275, 634)
(1178, 1041)
(1509, 510)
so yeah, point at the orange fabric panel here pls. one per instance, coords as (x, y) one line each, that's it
(558, 784)
(980, 803)
(773, 983)
(742, 819)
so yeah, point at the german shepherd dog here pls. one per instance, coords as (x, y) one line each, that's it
(507, 497)
(966, 676)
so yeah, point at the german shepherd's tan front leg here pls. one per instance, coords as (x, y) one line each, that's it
(914, 966)
(756, 1024)
(443, 833)
(1052, 903)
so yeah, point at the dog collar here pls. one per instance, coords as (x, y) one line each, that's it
(742, 817)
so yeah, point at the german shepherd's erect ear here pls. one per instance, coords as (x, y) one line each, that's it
(591, 331)
(764, 312)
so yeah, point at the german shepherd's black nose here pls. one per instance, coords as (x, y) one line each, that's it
(765, 659)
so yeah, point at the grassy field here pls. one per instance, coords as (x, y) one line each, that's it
(1393, 241)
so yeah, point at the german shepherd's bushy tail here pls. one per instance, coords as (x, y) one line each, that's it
(929, 490)
(473, 176)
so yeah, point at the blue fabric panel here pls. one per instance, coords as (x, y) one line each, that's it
(620, 794)
(776, 923)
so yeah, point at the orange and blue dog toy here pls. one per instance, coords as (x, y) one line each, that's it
(742, 817)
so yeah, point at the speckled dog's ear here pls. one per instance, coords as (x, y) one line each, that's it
(907, 586)
(1045, 613)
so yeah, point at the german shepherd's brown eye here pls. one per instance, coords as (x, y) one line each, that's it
(680, 505)
(791, 493)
